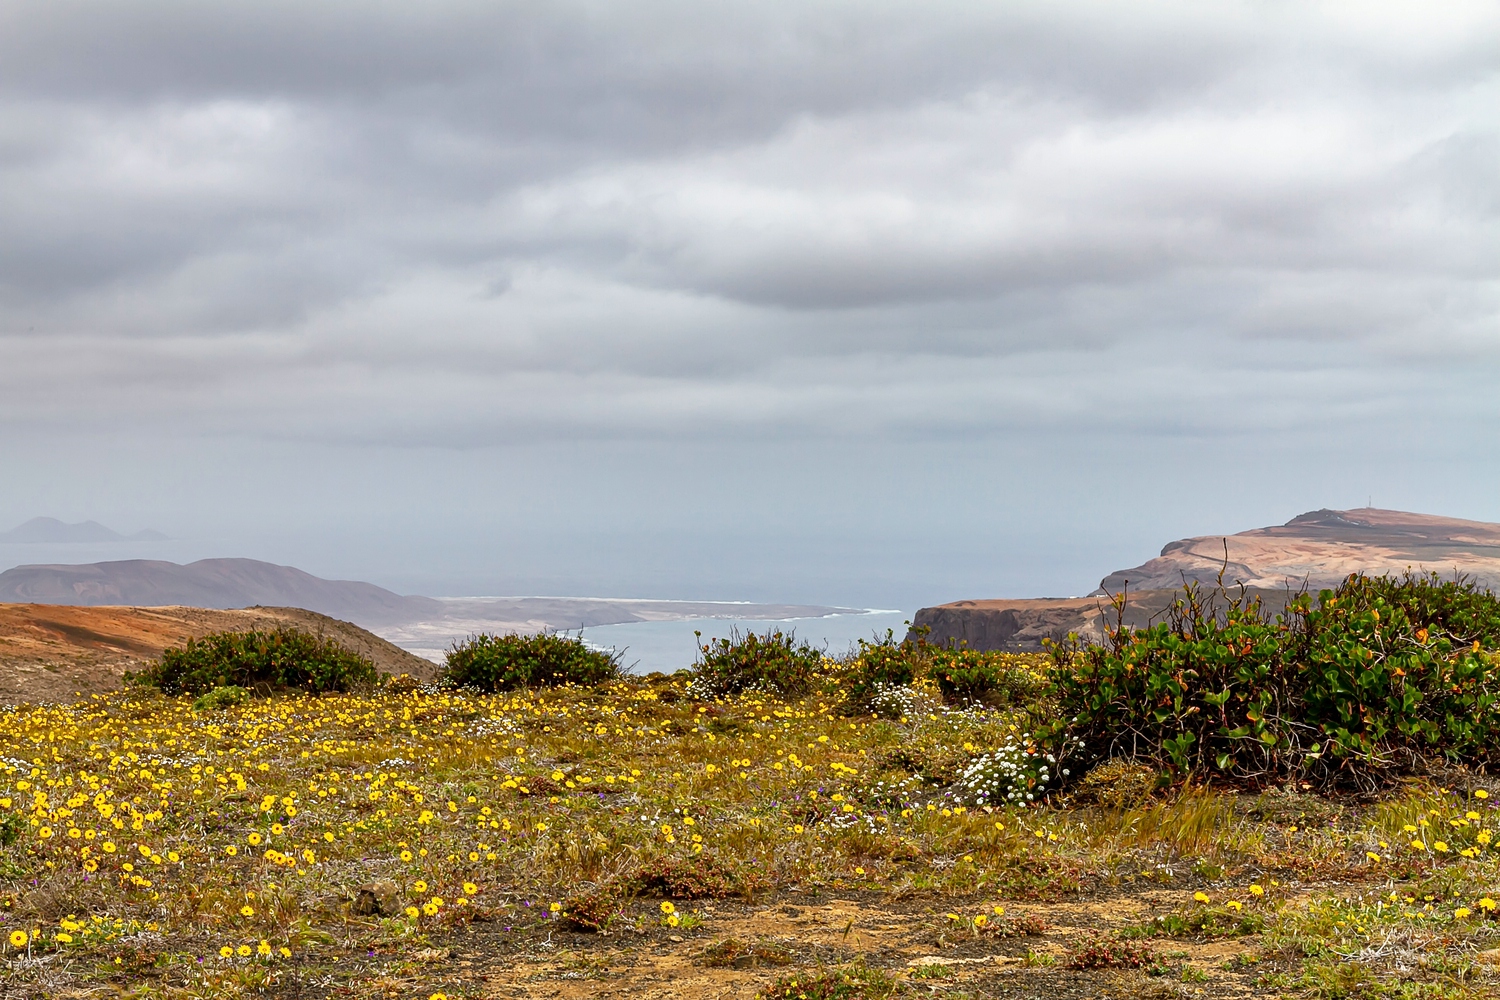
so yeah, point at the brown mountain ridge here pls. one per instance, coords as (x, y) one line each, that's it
(1313, 551)
(1322, 547)
(209, 583)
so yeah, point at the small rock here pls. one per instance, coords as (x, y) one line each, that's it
(675, 937)
(927, 960)
(376, 899)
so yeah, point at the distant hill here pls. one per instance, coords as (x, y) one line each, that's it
(421, 622)
(1322, 547)
(1316, 550)
(210, 583)
(49, 529)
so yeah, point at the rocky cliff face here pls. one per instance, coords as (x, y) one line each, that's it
(1319, 549)
(1010, 625)
(1021, 625)
(1313, 550)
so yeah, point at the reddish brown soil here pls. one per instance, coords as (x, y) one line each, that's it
(899, 937)
(56, 652)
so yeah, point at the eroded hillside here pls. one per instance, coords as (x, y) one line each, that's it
(51, 652)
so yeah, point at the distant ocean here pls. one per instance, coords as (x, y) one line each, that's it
(671, 645)
(665, 645)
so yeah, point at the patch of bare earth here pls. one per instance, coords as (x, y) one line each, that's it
(58, 653)
(906, 939)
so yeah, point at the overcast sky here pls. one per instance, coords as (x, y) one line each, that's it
(875, 303)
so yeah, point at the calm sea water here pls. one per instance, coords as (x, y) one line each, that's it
(669, 646)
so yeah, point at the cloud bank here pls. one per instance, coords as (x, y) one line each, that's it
(474, 226)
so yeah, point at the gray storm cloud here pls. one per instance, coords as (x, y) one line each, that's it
(551, 193)
(472, 224)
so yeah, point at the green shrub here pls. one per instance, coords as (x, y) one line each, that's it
(1336, 692)
(592, 910)
(881, 666)
(993, 678)
(285, 658)
(487, 662)
(1117, 784)
(1099, 952)
(703, 877)
(929, 754)
(773, 661)
(1457, 608)
(222, 697)
(1015, 773)
(732, 953)
(884, 671)
(1204, 922)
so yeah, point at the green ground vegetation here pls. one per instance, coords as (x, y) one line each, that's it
(278, 659)
(269, 846)
(490, 663)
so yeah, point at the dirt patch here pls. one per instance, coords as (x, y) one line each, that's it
(56, 652)
(907, 940)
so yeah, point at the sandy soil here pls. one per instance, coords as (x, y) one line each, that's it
(54, 652)
(899, 936)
